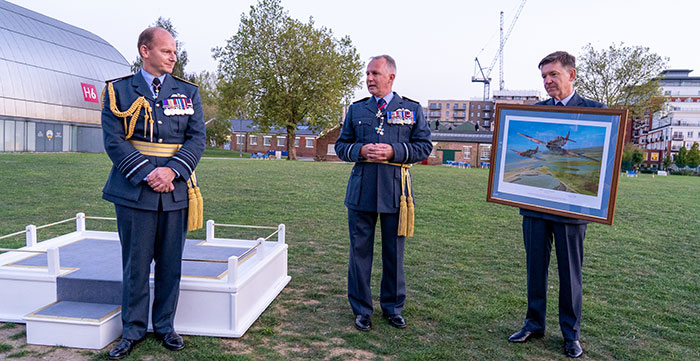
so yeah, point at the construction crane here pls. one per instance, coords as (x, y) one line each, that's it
(482, 75)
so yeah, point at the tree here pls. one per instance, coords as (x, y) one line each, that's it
(667, 160)
(179, 69)
(632, 156)
(622, 77)
(693, 157)
(284, 73)
(681, 157)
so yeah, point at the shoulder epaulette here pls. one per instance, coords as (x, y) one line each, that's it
(361, 100)
(183, 80)
(120, 78)
(409, 99)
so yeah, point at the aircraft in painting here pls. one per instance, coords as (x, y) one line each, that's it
(557, 144)
(530, 153)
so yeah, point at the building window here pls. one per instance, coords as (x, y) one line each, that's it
(240, 138)
(478, 114)
(447, 113)
(309, 142)
(331, 149)
(267, 140)
(296, 142)
(472, 112)
(467, 152)
(484, 152)
(690, 134)
(447, 105)
(478, 106)
(253, 140)
(280, 141)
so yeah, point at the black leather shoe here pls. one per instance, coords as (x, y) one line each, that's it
(123, 348)
(573, 349)
(172, 341)
(363, 323)
(524, 335)
(396, 321)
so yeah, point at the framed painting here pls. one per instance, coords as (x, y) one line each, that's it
(558, 160)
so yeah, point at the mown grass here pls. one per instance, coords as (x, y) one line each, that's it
(465, 267)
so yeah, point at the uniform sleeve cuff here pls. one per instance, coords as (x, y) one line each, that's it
(400, 153)
(355, 152)
(140, 175)
(178, 168)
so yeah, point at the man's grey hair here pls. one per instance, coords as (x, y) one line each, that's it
(566, 59)
(390, 63)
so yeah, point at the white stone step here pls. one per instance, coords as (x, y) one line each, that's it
(74, 324)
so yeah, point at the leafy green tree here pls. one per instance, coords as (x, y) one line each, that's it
(693, 156)
(681, 160)
(667, 160)
(285, 73)
(218, 131)
(179, 69)
(622, 77)
(632, 156)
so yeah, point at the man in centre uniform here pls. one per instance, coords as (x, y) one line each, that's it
(153, 159)
(382, 135)
(558, 73)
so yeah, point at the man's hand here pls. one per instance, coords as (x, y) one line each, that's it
(161, 179)
(377, 152)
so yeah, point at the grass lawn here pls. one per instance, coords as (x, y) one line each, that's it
(224, 153)
(465, 267)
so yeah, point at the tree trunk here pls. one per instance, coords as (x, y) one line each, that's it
(291, 148)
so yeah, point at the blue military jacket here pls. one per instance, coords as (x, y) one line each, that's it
(575, 101)
(376, 187)
(125, 185)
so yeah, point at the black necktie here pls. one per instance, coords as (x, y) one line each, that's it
(156, 86)
(560, 104)
(381, 103)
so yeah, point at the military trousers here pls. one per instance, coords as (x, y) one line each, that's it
(146, 237)
(393, 285)
(568, 238)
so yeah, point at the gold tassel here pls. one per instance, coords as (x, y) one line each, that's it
(200, 207)
(195, 210)
(411, 217)
(411, 209)
(192, 209)
(403, 213)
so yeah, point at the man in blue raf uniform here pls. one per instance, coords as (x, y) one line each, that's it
(383, 135)
(558, 72)
(153, 154)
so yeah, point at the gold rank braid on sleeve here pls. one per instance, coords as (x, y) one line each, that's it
(133, 111)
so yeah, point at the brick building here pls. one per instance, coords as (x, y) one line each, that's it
(247, 138)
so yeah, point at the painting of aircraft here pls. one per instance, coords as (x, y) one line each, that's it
(557, 144)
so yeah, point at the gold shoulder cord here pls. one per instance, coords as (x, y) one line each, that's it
(133, 111)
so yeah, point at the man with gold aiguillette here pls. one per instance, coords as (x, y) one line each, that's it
(383, 134)
(154, 134)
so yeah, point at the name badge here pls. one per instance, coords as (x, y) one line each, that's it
(401, 117)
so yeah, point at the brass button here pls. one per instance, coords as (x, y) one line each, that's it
(160, 140)
(160, 122)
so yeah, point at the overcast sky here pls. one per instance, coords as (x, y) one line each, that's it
(434, 42)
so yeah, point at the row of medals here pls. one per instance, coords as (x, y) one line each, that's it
(173, 107)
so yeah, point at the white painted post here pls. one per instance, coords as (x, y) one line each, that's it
(31, 235)
(53, 261)
(80, 222)
(210, 230)
(281, 234)
(233, 270)
(261, 247)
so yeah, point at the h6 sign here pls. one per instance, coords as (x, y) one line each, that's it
(89, 93)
